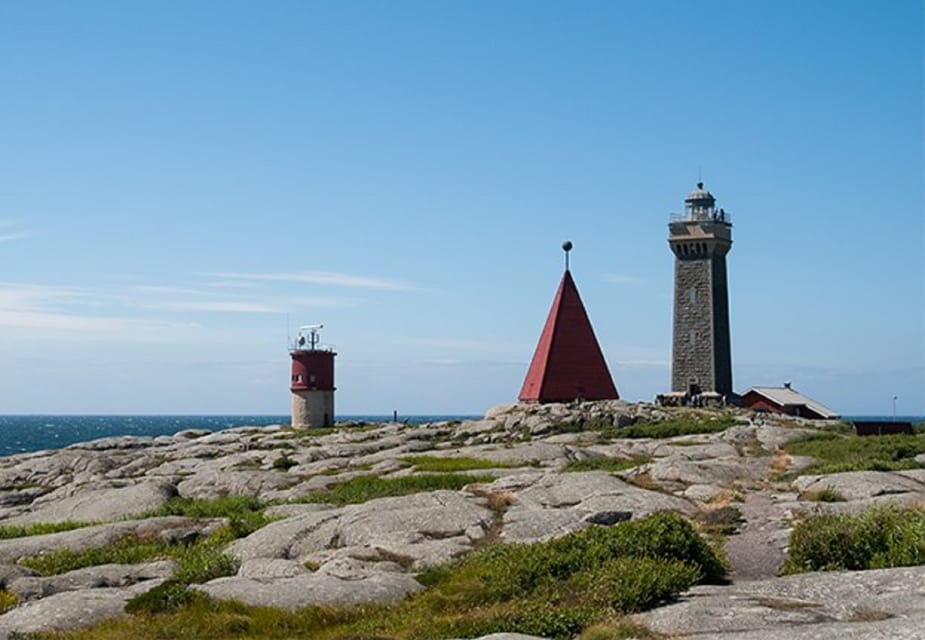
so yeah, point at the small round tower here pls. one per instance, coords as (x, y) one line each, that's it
(312, 381)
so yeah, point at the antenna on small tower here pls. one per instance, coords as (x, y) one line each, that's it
(566, 246)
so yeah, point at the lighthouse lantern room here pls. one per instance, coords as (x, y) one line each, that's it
(312, 381)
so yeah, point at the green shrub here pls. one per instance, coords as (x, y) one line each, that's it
(879, 537)
(518, 570)
(838, 453)
(40, 528)
(364, 488)
(634, 584)
(203, 562)
(450, 464)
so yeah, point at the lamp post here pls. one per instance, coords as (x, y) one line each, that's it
(895, 398)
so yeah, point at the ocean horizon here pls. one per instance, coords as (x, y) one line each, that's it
(36, 432)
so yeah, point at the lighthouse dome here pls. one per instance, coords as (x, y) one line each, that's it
(700, 197)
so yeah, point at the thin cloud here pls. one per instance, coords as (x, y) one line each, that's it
(11, 230)
(243, 306)
(18, 235)
(115, 328)
(463, 344)
(326, 278)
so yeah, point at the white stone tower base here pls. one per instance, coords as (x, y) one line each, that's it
(312, 408)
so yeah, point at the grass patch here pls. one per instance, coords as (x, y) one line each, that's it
(440, 464)
(198, 561)
(40, 528)
(7, 600)
(245, 513)
(357, 490)
(878, 538)
(128, 550)
(581, 583)
(606, 464)
(837, 453)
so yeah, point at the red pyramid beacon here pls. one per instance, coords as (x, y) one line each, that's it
(568, 363)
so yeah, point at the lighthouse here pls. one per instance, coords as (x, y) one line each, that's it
(312, 382)
(700, 238)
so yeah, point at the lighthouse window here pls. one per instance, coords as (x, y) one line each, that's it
(311, 379)
(692, 294)
(693, 338)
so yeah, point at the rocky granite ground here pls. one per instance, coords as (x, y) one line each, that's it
(322, 553)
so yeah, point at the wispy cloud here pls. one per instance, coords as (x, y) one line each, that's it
(11, 230)
(326, 278)
(36, 307)
(622, 278)
(243, 306)
(16, 235)
(462, 344)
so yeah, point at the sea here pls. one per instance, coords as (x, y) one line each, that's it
(22, 433)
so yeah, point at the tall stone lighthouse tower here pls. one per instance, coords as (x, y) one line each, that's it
(312, 382)
(700, 238)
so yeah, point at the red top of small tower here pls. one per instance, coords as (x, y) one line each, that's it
(312, 364)
(568, 363)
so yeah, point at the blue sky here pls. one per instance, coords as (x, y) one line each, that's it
(178, 179)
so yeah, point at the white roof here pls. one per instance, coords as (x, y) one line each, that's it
(786, 396)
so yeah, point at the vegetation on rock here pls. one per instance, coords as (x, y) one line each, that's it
(7, 600)
(838, 453)
(245, 513)
(877, 538)
(669, 428)
(583, 581)
(606, 464)
(357, 490)
(444, 464)
(40, 528)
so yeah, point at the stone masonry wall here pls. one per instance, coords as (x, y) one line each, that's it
(692, 357)
(312, 408)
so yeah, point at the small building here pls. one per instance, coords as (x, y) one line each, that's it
(312, 380)
(785, 400)
(568, 363)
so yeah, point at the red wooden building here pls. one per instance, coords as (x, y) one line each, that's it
(785, 400)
